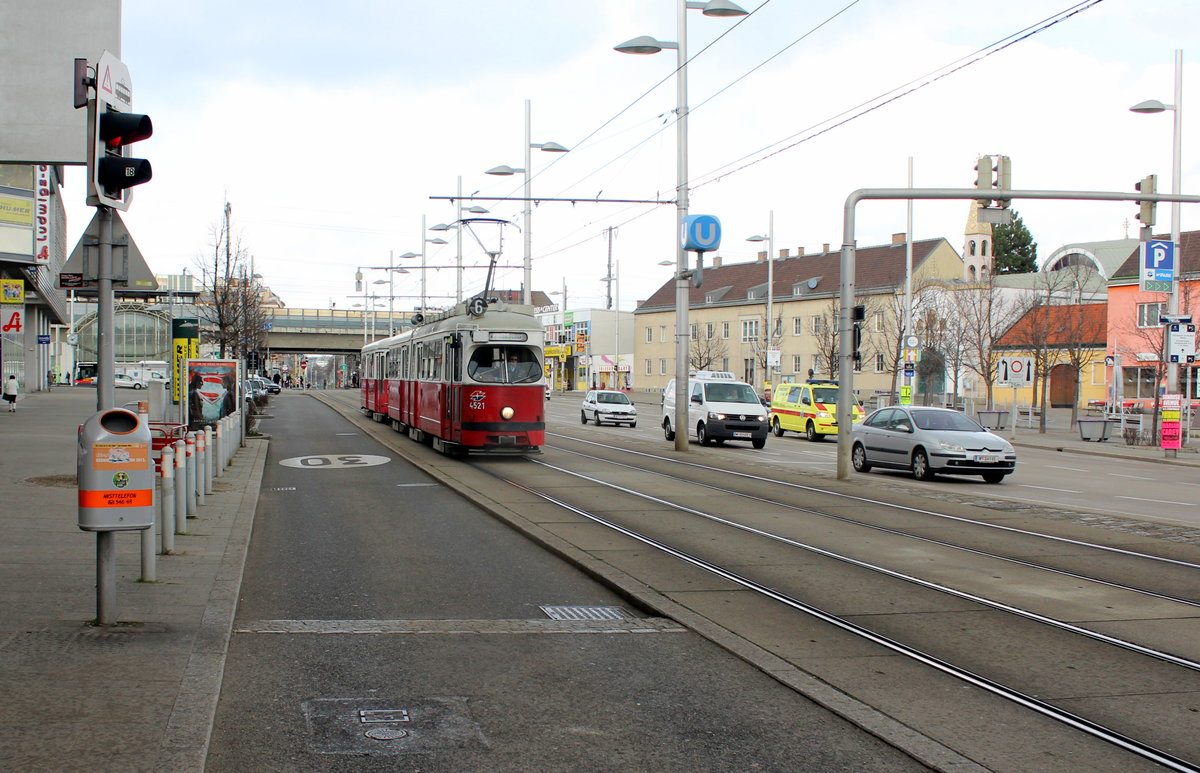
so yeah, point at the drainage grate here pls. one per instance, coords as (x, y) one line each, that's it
(586, 613)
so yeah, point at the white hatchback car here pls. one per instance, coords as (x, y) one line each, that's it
(604, 405)
(127, 382)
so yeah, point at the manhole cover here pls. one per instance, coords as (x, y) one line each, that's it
(390, 726)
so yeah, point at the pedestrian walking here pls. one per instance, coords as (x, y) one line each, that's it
(11, 390)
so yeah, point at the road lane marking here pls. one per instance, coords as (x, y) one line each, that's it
(1158, 501)
(411, 485)
(1056, 467)
(1135, 477)
(1047, 488)
(477, 627)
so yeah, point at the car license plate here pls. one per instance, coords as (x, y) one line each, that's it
(986, 458)
(741, 434)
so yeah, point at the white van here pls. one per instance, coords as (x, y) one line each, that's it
(720, 408)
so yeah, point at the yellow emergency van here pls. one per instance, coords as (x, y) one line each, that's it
(810, 408)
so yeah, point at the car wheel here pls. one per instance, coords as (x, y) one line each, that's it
(702, 436)
(137, 386)
(778, 430)
(582, 417)
(632, 424)
(810, 432)
(858, 458)
(668, 433)
(993, 477)
(920, 465)
(759, 442)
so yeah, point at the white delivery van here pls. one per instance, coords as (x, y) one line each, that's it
(720, 408)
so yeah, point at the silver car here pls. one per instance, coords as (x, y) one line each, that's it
(601, 405)
(929, 441)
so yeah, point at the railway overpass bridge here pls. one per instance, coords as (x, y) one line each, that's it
(328, 331)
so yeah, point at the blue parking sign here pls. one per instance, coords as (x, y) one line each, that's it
(1158, 266)
(700, 233)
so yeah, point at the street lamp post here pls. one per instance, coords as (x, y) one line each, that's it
(1154, 106)
(421, 255)
(566, 340)
(770, 333)
(645, 44)
(549, 147)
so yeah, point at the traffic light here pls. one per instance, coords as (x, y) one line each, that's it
(983, 178)
(1149, 184)
(1003, 170)
(111, 169)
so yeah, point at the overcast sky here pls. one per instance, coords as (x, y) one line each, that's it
(328, 127)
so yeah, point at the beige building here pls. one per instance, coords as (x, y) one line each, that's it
(728, 316)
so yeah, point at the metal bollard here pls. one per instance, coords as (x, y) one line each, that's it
(167, 500)
(201, 457)
(190, 440)
(219, 444)
(180, 487)
(209, 459)
(148, 540)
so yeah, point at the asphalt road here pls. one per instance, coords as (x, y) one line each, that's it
(386, 624)
(1123, 488)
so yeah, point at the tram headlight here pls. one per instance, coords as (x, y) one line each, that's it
(507, 412)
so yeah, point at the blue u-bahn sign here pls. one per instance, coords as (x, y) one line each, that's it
(700, 233)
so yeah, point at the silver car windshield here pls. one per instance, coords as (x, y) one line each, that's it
(945, 421)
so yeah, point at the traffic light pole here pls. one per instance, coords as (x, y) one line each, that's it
(106, 541)
(845, 323)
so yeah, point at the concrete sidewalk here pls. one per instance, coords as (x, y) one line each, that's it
(137, 696)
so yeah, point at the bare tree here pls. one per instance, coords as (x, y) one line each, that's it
(984, 313)
(706, 349)
(828, 341)
(230, 304)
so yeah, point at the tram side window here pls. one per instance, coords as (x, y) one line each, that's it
(504, 365)
(404, 363)
(430, 360)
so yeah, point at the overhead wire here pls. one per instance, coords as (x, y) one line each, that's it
(870, 105)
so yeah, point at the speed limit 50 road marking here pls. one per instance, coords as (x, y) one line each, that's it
(334, 461)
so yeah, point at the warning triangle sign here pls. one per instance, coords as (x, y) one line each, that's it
(82, 269)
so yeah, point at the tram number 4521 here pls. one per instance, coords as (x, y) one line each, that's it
(334, 461)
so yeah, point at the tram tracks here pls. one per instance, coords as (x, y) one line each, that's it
(1082, 686)
(1114, 709)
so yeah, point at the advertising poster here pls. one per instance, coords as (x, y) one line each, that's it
(212, 391)
(185, 345)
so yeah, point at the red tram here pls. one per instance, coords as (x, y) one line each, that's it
(471, 380)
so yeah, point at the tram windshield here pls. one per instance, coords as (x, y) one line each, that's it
(504, 365)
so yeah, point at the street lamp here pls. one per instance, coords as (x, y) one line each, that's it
(770, 240)
(648, 45)
(1154, 106)
(549, 147)
(421, 255)
(566, 339)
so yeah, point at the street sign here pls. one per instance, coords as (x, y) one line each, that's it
(1181, 343)
(1015, 371)
(700, 233)
(43, 338)
(1157, 266)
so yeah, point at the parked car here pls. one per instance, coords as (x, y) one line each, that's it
(127, 382)
(601, 405)
(255, 387)
(273, 388)
(929, 441)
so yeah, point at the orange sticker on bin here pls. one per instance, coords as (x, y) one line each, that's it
(120, 456)
(110, 499)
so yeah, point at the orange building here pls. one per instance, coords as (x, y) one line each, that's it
(1135, 334)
